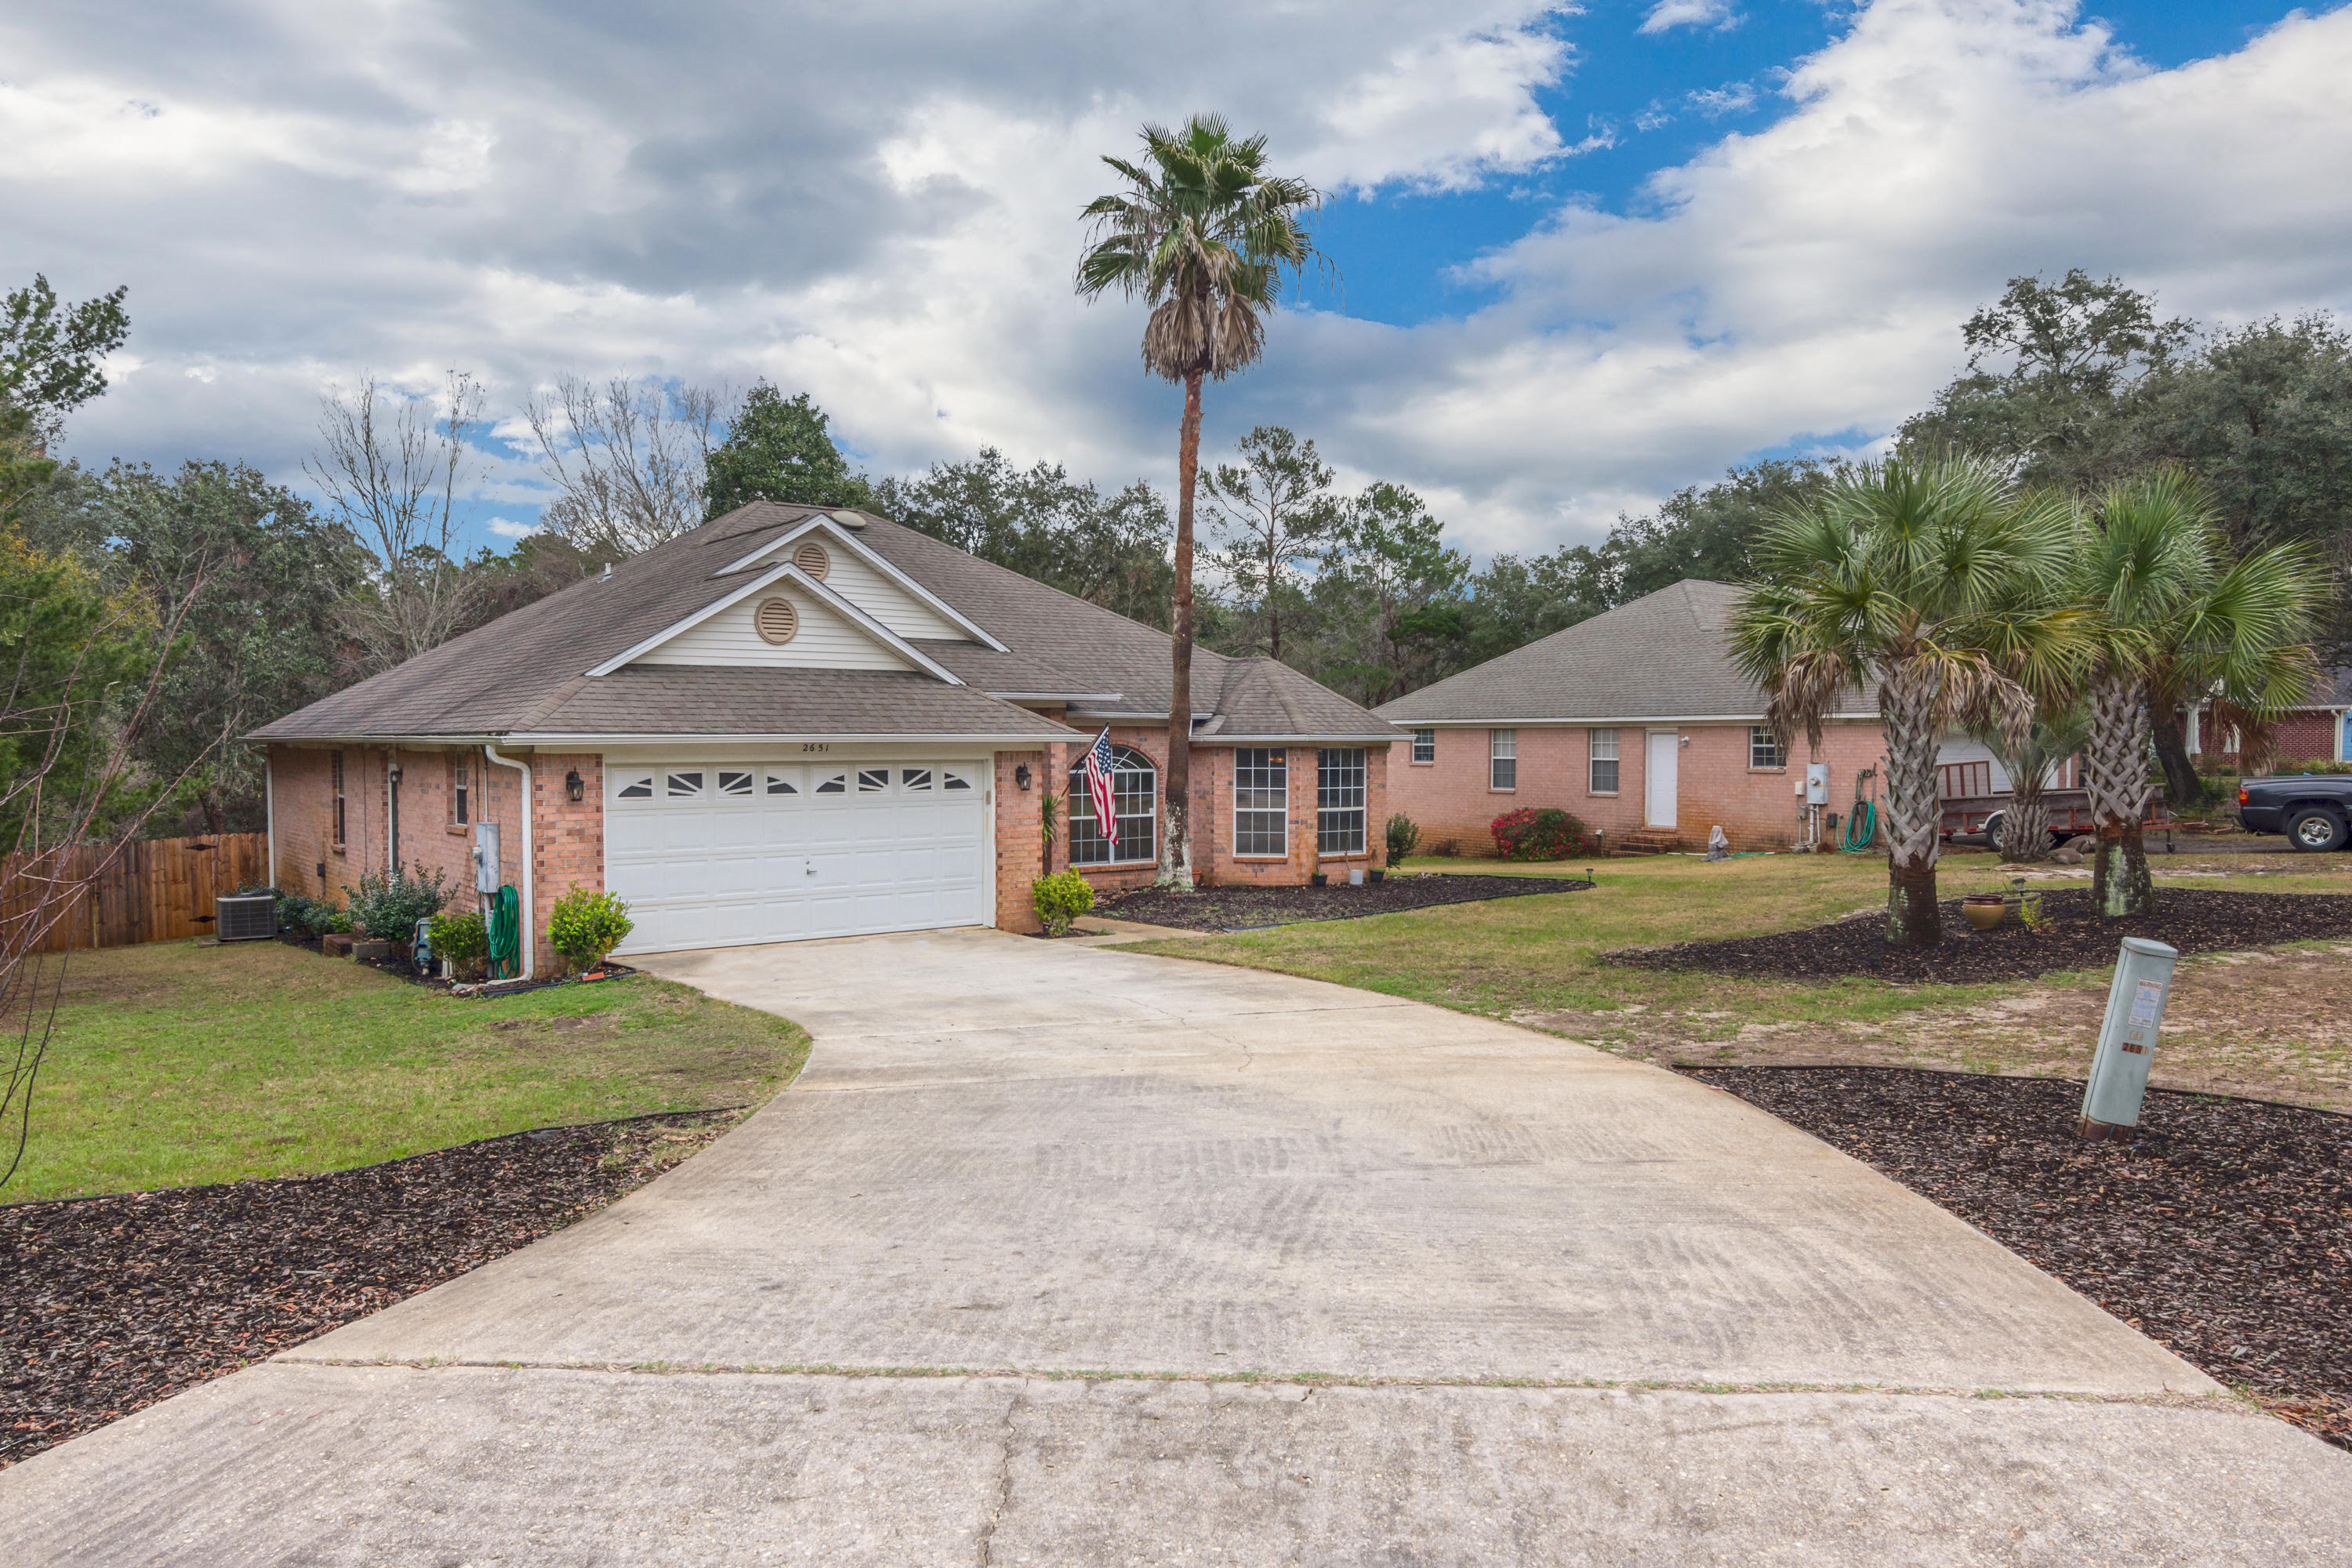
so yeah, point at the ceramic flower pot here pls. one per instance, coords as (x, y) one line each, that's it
(1985, 913)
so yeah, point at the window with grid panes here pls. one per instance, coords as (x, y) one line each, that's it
(335, 769)
(1424, 745)
(1261, 801)
(1764, 748)
(1339, 802)
(1601, 762)
(1502, 759)
(1135, 800)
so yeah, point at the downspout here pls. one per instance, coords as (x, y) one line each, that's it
(269, 809)
(392, 813)
(528, 912)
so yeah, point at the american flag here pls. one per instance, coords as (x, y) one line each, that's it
(1098, 785)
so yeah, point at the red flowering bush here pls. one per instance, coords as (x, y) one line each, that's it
(1537, 833)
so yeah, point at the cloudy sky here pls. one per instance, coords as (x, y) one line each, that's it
(1586, 254)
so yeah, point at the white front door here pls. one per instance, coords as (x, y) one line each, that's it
(1658, 778)
(719, 854)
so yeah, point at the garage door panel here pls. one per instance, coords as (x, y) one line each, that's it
(720, 855)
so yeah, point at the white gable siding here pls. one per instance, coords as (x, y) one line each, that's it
(824, 641)
(854, 580)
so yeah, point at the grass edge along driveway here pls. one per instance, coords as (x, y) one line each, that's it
(1537, 961)
(179, 1064)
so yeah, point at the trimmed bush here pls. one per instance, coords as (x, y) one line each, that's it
(1060, 899)
(1538, 833)
(586, 925)
(1404, 837)
(462, 939)
(389, 905)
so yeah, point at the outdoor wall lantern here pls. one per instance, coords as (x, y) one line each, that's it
(573, 788)
(1021, 777)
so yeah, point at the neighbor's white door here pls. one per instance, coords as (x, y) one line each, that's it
(716, 854)
(1658, 778)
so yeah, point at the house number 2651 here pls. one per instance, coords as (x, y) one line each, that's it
(814, 746)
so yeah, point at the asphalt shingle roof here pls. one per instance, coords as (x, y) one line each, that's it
(1662, 657)
(525, 673)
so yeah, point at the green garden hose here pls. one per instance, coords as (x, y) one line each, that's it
(1864, 816)
(506, 935)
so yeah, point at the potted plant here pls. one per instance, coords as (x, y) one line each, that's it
(1984, 910)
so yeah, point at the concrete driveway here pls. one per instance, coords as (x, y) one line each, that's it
(1060, 1253)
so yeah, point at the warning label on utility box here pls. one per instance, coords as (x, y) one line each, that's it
(2147, 1001)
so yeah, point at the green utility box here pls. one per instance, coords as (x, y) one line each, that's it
(2127, 1037)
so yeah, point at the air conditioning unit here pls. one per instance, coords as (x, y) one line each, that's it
(246, 917)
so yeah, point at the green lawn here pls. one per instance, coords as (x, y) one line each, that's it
(175, 1065)
(1515, 957)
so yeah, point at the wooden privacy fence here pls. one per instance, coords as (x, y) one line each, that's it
(106, 894)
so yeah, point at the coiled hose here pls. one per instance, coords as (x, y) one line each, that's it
(506, 935)
(1860, 829)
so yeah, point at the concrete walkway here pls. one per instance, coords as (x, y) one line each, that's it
(1057, 1253)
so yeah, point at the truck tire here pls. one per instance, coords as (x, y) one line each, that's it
(2315, 828)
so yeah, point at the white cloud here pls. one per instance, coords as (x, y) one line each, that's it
(1732, 97)
(890, 223)
(508, 527)
(1667, 14)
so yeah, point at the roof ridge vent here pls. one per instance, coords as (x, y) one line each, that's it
(849, 520)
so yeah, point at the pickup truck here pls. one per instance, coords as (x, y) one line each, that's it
(2314, 810)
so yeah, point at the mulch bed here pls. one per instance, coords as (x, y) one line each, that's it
(108, 1304)
(1247, 908)
(2194, 919)
(2223, 1232)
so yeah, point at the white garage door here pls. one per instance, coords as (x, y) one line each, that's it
(716, 854)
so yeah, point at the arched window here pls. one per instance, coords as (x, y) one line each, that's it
(1135, 797)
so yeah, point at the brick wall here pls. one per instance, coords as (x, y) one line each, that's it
(2301, 736)
(1018, 859)
(302, 811)
(1452, 800)
(567, 842)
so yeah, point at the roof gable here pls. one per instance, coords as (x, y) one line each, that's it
(869, 580)
(833, 632)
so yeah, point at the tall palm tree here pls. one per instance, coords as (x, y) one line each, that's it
(2173, 619)
(1206, 236)
(1943, 583)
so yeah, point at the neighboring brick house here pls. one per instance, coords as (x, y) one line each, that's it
(2320, 728)
(1633, 721)
(793, 723)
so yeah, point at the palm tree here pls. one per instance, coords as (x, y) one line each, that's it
(2173, 620)
(1943, 583)
(2059, 729)
(1205, 234)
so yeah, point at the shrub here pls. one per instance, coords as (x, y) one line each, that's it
(312, 917)
(1061, 899)
(462, 939)
(586, 925)
(1404, 837)
(389, 904)
(1537, 833)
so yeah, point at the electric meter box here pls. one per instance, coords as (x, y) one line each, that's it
(1817, 784)
(486, 858)
(2127, 1037)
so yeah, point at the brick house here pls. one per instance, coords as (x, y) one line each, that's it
(793, 723)
(1633, 721)
(2319, 729)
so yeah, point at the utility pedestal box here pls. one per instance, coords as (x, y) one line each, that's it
(2127, 1039)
